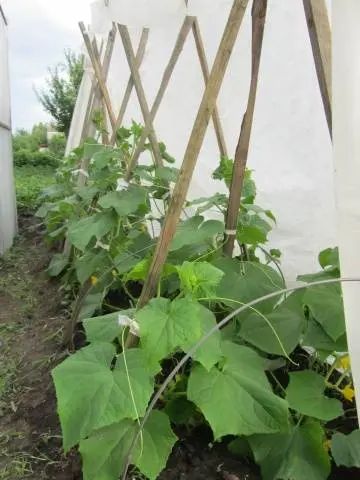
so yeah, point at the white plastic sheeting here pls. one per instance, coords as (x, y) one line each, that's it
(290, 149)
(346, 115)
(8, 224)
(80, 111)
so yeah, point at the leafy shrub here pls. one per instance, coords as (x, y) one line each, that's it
(23, 157)
(26, 148)
(45, 159)
(35, 159)
(57, 146)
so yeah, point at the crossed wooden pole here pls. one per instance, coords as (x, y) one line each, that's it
(320, 37)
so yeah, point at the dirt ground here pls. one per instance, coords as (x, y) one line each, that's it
(31, 324)
(31, 320)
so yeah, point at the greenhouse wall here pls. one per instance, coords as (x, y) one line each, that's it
(8, 221)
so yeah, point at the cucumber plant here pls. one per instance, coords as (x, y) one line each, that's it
(263, 381)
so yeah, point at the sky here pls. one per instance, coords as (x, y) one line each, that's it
(39, 31)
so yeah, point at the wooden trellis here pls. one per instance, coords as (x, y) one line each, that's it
(320, 36)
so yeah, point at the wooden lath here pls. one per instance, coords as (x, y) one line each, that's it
(241, 155)
(318, 23)
(205, 112)
(99, 75)
(179, 45)
(131, 59)
(200, 48)
(130, 85)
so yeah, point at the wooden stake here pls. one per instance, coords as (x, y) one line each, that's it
(320, 36)
(99, 76)
(194, 146)
(242, 149)
(130, 85)
(130, 55)
(205, 70)
(179, 45)
(200, 48)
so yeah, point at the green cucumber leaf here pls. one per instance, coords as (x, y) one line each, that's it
(91, 396)
(298, 455)
(247, 281)
(345, 449)
(106, 327)
(105, 453)
(57, 265)
(167, 326)
(196, 231)
(125, 202)
(287, 323)
(305, 395)
(238, 399)
(200, 279)
(326, 306)
(81, 231)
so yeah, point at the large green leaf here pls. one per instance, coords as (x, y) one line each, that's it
(91, 396)
(90, 263)
(106, 327)
(166, 326)
(82, 231)
(91, 147)
(287, 323)
(90, 304)
(329, 258)
(328, 274)
(141, 270)
(209, 352)
(224, 171)
(167, 174)
(200, 279)
(203, 204)
(252, 229)
(125, 202)
(105, 453)
(247, 281)
(317, 338)
(305, 394)
(238, 399)
(58, 263)
(345, 449)
(297, 455)
(326, 305)
(196, 231)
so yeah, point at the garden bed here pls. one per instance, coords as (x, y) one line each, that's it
(31, 322)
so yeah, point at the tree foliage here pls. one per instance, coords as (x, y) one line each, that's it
(63, 84)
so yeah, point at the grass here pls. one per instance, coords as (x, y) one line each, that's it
(30, 181)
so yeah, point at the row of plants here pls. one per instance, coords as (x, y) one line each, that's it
(263, 383)
(27, 148)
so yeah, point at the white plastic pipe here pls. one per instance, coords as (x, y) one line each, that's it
(346, 154)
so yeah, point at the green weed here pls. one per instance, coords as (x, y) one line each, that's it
(30, 181)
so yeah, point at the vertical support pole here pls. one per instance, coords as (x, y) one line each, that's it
(258, 24)
(320, 36)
